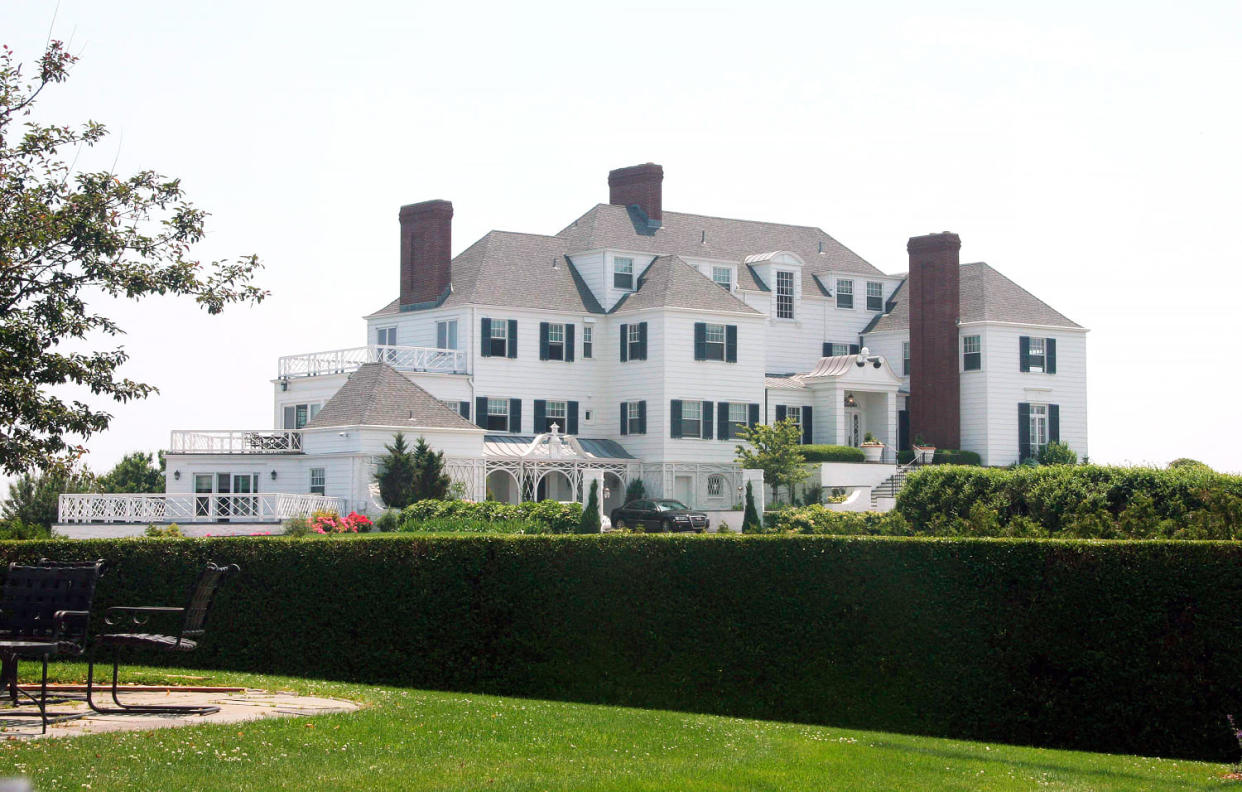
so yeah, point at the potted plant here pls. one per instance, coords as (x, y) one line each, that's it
(872, 448)
(923, 451)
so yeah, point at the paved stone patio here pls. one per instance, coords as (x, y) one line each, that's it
(235, 705)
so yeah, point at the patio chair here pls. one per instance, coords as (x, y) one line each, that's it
(44, 612)
(193, 626)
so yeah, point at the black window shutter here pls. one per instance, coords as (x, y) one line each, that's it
(706, 423)
(541, 416)
(827, 349)
(808, 426)
(480, 411)
(625, 426)
(515, 415)
(722, 421)
(780, 412)
(569, 343)
(1050, 355)
(642, 340)
(730, 343)
(700, 341)
(674, 414)
(1054, 423)
(1024, 355)
(625, 343)
(571, 418)
(512, 338)
(485, 337)
(855, 349)
(642, 417)
(1024, 428)
(464, 408)
(543, 345)
(754, 415)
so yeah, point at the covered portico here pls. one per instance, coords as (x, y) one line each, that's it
(851, 396)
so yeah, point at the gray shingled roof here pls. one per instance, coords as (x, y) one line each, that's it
(514, 445)
(672, 283)
(518, 271)
(699, 236)
(984, 295)
(376, 395)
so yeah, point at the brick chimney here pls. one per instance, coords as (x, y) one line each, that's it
(935, 387)
(426, 250)
(639, 185)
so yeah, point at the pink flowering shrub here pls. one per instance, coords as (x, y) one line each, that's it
(326, 522)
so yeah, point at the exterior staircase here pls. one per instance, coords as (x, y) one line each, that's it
(890, 486)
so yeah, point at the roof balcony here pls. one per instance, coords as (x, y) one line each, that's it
(235, 441)
(401, 358)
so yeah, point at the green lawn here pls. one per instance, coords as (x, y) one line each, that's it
(419, 740)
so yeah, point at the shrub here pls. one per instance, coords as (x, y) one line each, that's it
(952, 456)
(170, 531)
(1185, 462)
(389, 521)
(329, 522)
(296, 526)
(1127, 647)
(818, 519)
(541, 516)
(1057, 453)
(1084, 501)
(831, 453)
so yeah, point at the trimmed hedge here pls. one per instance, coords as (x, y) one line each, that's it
(443, 515)
(831, 453)
(1081, 501)
(1131, 647)
(944, 456)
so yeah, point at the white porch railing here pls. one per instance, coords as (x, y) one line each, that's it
(402, 358)
(192, 508)
(235, 441)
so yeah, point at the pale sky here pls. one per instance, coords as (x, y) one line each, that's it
(1089, 151)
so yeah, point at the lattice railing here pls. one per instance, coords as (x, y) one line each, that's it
(402, 358)
(189, 507)
(235, 441)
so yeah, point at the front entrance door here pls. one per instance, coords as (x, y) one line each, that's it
(853, 427)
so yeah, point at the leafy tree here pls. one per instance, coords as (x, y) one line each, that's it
(750, 518)
(67, 237)
(1188, 463)
(1057, 453)
(590, 514)
(774, 450)
(135, 472)
(396, 474)
(34, 498)
(430, 481)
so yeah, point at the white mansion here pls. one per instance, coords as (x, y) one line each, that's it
(632, 344)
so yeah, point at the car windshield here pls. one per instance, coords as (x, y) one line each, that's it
(669, 505)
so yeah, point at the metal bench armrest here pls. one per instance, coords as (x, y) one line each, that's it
(138, 614)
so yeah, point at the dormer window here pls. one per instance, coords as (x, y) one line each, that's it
(723, 276)
(845, 293)
(784, 295)
(875, 296)
(623, 273)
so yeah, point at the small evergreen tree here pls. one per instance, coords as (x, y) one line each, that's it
(430, 480)
(635, 491)
(590, 514)
(750, 518)
(34, 499)
(396, 474)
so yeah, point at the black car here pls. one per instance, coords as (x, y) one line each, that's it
(658, 515)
